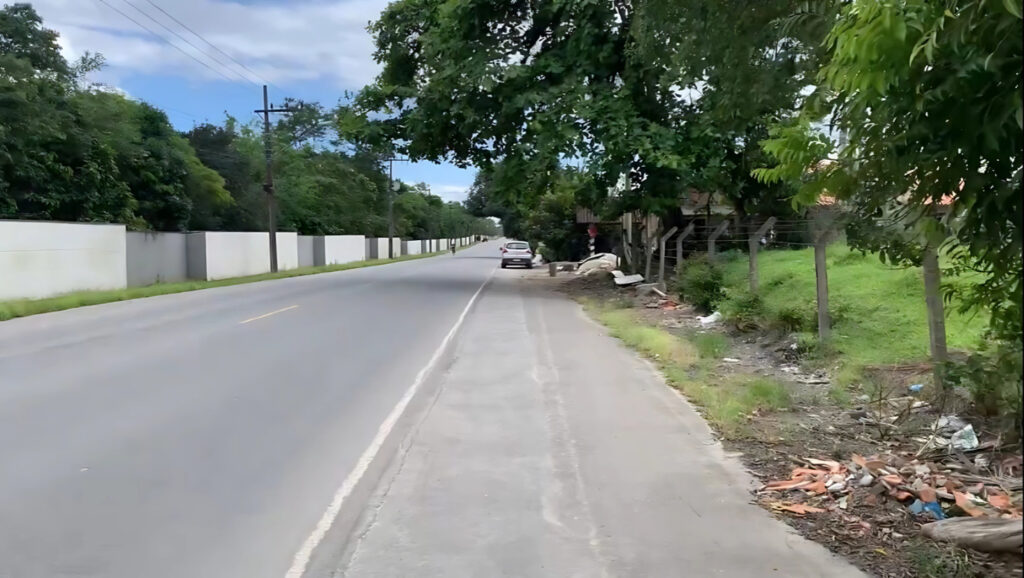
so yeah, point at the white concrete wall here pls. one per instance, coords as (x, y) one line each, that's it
(219, 255)
(287, 251)
(376, 248)
(306, 243)
(41, 259)
(443, 244)
(155, 258)
(412, 247)
(338, 249)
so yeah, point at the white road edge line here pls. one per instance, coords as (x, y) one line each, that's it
(301, 560)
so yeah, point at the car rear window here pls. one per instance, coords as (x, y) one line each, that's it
(517, 246)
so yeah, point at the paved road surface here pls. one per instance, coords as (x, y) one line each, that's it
(205, 434)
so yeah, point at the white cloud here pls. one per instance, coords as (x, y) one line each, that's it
(307, 40)
(450, 192)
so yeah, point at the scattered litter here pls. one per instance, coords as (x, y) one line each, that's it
(916, 388)
(623, 280)
(813, 380)
(645, 289)
(730, 360)
(599, 262)
(919, 508)
(710, 319)
(964, 439)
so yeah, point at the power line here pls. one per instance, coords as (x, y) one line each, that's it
(186, 41)
(169, 43)
(212, 45)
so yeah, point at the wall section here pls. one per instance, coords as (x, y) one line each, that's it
(42, 259)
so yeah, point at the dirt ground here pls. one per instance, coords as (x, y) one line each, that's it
(869, 524)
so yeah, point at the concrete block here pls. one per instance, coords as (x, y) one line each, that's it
(287, 251)
(412, 247)
(42, 259)
(155, 258)
(338, 249)
(306, 243)
(220, 255)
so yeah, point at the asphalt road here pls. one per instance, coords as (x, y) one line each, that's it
(204, 434)
(270, 431)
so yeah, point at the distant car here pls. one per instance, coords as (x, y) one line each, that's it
(516, 253)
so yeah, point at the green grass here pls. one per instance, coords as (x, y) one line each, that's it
(25, 307)
(726, 400)
(880, 311)
(710, 345)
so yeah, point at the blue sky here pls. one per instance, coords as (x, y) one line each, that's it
(308, 49)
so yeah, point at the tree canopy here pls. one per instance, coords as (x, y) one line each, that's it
(73, 151)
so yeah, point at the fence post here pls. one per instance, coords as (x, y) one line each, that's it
(936, 313)
(722, 228)
(661, 254)
(821, 239)
(752, 244)
(679, 242)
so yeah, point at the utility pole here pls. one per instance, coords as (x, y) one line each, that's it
(391, 205)
(268, 185)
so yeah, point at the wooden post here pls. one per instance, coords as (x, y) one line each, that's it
(936, 313)
(821, 281)
(753, 243)
(722, 228)
(679, 242)
(661, 253)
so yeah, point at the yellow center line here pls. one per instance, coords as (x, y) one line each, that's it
(258, 317)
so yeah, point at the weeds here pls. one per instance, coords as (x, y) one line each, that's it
(710, 345)
(727, 401)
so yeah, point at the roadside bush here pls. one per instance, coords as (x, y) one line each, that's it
(745, 309)
(994, 376)
(699, 282)
(795, 317)
(803, 316)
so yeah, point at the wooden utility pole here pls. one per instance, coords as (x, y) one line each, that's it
(391, 205)
(268, 185)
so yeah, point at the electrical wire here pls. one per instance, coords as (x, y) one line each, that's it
(210, 44)
(168, 42)
(186, 41)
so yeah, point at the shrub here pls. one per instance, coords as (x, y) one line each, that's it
(993, 376)
(795, 318)
(745, 309)
(699, 282)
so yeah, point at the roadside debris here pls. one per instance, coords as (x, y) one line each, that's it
(599, 262)
(984, 535)
(940, 493)
(623, 280)
(710, 319)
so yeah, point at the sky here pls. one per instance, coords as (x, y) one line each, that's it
(314, 50)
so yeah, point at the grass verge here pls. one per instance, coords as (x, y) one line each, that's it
(727, 401)
(879, 314)
(26, 307)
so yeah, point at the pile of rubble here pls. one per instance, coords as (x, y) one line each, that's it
(975, 504)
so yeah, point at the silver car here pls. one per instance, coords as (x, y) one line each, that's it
(516, 253)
